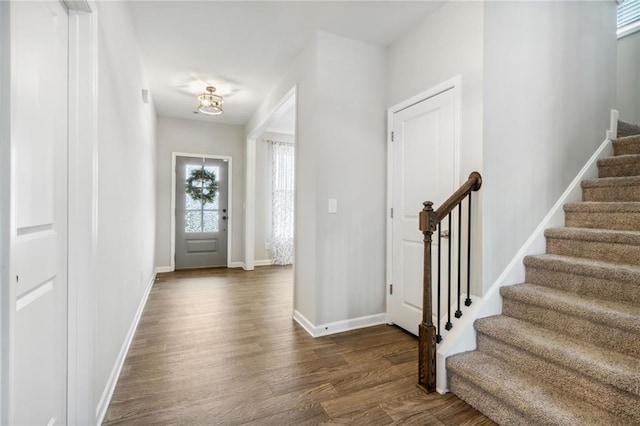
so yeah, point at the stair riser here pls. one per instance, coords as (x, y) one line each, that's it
(620, 170)
(612, 193)
(484, 402)
(621, 221)
(626, 148)
(599, 394)
(603, 335)
(610, 252)
(599, 288)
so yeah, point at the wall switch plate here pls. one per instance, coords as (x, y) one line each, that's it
(333, 205)
(267, 246)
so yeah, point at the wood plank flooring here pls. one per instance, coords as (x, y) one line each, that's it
(219, 346)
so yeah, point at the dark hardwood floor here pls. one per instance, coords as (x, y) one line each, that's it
(219, 346)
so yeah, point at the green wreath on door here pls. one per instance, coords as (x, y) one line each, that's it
(202, 185)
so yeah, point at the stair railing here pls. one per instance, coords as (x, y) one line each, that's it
(430, 222)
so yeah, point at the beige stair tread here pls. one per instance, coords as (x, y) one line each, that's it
(539, 402)
(616, 369)
(595, 235)
(619, 160)
(609, 313)
(611, 181)
(603, 207)
(581, 266)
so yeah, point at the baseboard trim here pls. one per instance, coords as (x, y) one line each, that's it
(107, 394)
(163, 269)
(265, 262)
(237, 265)
(338, 326)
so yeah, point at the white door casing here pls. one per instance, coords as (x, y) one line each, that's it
(37, 341)
(423, 166)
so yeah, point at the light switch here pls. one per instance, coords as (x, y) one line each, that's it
(333, 205)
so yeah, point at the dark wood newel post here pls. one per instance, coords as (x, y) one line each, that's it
(427, 331)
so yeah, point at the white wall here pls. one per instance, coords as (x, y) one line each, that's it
(301, 73)
(197, 137)
(446, 44)
(549, 83)
(126, 190)
(340, 153)
(350, 167)
(628, 93)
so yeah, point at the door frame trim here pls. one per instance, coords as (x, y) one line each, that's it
(250, 177)
(173, 202)
(5, 208)
(454, 84)
(82, 207)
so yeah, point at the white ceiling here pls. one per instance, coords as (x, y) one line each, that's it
(242, 48)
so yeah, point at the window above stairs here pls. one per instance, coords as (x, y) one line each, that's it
(628, 17)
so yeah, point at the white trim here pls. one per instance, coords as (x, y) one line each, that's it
(338, 326)
(6, 306)
(250, 177)
(107, 393)
(454, 84)
(257, 263)
(250, 205)
(82, 210)
(613, 125)
(229, 202)
(462, 337)
(163, 269)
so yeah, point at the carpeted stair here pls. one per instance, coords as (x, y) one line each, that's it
(566, 349)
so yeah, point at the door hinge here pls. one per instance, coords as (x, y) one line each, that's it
(391, 212)
(390, 288)
(392, 136)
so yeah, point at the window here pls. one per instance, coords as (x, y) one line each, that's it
(201, 216)
(628, 17)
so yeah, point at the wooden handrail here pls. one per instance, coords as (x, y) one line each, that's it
(472, 184)
(427, 333)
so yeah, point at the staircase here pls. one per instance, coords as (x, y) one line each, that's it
(566, 349)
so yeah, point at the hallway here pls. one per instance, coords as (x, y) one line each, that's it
(219, 346)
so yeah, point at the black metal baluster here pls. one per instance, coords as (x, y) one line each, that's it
(467, 302)
(459, 312)
(448, 325)
(438, 335)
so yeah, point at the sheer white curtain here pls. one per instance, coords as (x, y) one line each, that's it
(282, 192)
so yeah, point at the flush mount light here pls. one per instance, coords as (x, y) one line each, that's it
(210, 102)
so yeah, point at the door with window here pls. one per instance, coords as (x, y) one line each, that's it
(201, 212)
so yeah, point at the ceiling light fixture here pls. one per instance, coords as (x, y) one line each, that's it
(210, 102)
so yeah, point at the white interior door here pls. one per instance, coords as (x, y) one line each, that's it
(423, 169)
(38, 330)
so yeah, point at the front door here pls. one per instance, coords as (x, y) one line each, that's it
(423, 168)
(201, 212)
(38, 332)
